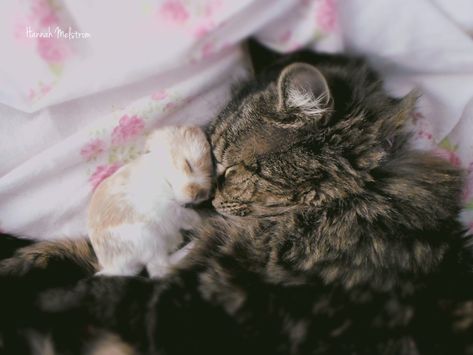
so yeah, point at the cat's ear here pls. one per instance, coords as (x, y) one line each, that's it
(303, 88)
(405, 107)
(400, 113)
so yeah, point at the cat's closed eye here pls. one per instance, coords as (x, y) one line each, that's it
(225, 173)
(230, 171)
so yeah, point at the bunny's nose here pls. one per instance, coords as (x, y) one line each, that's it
(197, 193)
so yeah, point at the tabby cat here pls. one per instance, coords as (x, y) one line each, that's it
(333, 235)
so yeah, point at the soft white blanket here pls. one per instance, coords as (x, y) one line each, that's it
(72, 110)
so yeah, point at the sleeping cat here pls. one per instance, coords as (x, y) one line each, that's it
(334, 235)
(135, 216)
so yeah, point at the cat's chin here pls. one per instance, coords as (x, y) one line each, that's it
(230, 208)
(248, 214)
(236, 214)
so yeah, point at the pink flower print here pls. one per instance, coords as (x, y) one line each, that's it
(208, 49)
(170, 106)
(101, 173)
(202, 29)
(44, 13)
(423, 129)
(45, 88)
(416, 117)
(159, 95)
(19, 30)
(285, 36)
(212, 7)
(174, 11)
(51, 50)
(326, 16)
(424, 135)
(448, 155)
(92, 149)
(128, 128)
(31, 95)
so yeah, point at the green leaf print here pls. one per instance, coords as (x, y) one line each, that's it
(469, 205)
(446, 144)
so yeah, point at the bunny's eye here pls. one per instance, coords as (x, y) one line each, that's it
(188, 167)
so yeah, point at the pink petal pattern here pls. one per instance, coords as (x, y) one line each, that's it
(101, 173)
(44, 16)
(52, 50)
(44, 13)
(448, 155)
(326, 16)
(92, 149)
(127, 129)
(212, 7)
(159, 95)
(203, 28)
(285, 36)
(208, 49)
(174, 11)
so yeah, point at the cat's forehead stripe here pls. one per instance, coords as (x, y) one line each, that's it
(231, 125)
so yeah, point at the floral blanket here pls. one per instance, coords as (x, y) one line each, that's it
(83, 82)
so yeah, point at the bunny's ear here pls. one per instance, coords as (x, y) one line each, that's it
(303, 88)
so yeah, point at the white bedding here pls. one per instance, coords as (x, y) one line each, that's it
(73, 110)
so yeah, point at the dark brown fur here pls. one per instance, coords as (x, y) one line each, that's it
(39, 256)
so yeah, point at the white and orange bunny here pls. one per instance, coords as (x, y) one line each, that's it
(135, 216)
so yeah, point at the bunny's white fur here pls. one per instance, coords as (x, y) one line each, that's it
(135, 215)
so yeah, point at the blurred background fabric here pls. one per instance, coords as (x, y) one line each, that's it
(77, 105)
